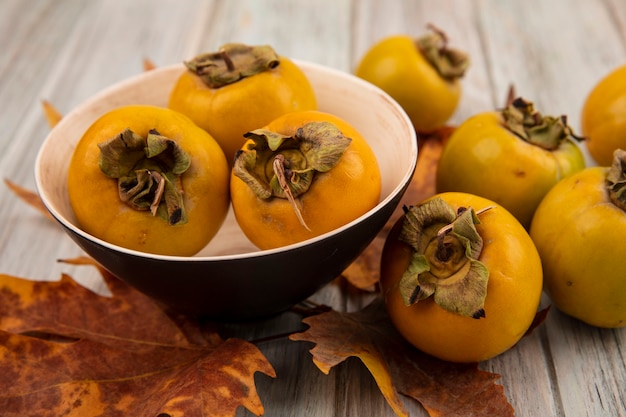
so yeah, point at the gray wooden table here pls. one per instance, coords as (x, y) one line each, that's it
(552, 51)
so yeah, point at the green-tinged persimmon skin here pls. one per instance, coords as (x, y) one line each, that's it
(397, 67)
(580, 233)
(513, 290)
(100, 212)
(603, 117)
(482, 157)
(230, 111)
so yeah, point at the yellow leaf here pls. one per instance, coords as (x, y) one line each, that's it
(148, 64)
(52, 114)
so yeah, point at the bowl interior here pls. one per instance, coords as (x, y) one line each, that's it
(379, 119)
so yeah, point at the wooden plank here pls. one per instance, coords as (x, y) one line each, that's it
(552, 56)
(554, 61)
(588, 365)
(29, 48)
(66, 50)
(273, 22)
(376, 20)
(32, 32)
(122, 34)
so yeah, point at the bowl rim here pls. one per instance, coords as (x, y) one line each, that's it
(244, 255)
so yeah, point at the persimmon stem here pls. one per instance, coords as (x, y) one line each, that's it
(450, 63)
(148, 172)
(510, 96)
(229, 62)
(279, 170)
(441, 33)
(442, 252)
(158, 194)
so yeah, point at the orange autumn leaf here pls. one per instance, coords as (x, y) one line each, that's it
(119, 355)
(53, 116)
(29, 197)
(363, 272)
(148, 65)
(444, 389)
(423, 182)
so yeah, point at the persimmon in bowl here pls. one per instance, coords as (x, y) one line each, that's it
(230, 279)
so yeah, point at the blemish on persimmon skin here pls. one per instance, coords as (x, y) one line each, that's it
(519, 173)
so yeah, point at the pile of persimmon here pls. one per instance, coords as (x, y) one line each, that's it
(241, 128)
(516, 209)
(238, 89)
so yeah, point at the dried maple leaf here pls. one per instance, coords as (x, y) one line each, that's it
(443, 388)
(423, 182)
(29, 197)
(363, 272)
(119, 355)
(148, 65)
(53, 116)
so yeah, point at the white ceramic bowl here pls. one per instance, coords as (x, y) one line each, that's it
(230, 279)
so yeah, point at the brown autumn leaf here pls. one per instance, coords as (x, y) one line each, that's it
(363, 272)
(29, 197)
(443, 388)
(119, 355)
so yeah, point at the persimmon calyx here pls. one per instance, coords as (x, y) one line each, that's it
(451, 64)
(446, 247)
(547, 132)
(616, 179)
(233, 62)
(148, 172)
(281, 166)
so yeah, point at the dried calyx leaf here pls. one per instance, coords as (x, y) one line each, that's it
(450, 63)
(616, 179)
(233, 62)
(547, 132)
(148, 172)
(276, 165)
(446, 247)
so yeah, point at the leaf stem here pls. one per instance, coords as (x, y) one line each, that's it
(279, 170)
(442, 253)
(229, 62)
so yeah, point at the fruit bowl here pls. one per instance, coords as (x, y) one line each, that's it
(230, 279)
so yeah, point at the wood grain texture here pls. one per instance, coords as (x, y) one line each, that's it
(552, 51)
